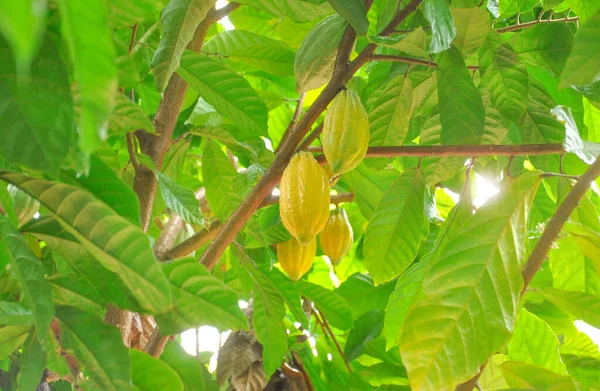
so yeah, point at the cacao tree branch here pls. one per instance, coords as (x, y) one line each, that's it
(293, 121)
(340, 77)
(329, 331)
(410, 60)
(312, 136)
(534, 22)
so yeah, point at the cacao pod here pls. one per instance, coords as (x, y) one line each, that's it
(296, 259)
(25, 206)
(332, 180)
(337, 237)
(345, 136)
(304, 197)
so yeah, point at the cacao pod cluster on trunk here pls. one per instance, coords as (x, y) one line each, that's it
(305, 187)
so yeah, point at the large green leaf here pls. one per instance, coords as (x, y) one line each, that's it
(354, 11)
(461, 111)
(443, 30)
(97, 346)
(367, 327)
(74, 290)
(12, 337)
(200, 299)
(472, 26)
(85, 27)
(28, 271)
(526, 376)
(149, 373)
(389, 117)
(296, 10)
(582, 65)
(329, 303)
(567, 264)
(584, 8)
(394, 233)
(129, 12)
(546, 44)
(254, 50)
(218, 175)
(289, 292)
(227, 91)
(413, 44)
(581, 305)
(368, 186)
(472, 287)
(38, 112)
(118, 245)
(187, 367)
(269, 311)
(81, 263)
(22, 23)
(503, 76)
(315, 58)
(179, 20)
(362, 295)
(128, 117)
(496, 125)
(32, 362)
(15, 314)
(179, 199)
(535, 343)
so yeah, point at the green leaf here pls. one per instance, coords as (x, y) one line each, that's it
(12, 337)
(582, 65)
(394, 233)
(97, 346)
(14, 314)
(254, 50)
(117, 244)
(584, 8)
(586, 151)
(591, 118)
(128, 117)
(288, 290)
(581, 305)
(443, 30)
(413, 44)
(367, 327)
(28, 271)
(329, 303)
(461, 111)
(128, 12)
(296, 10)
(149, 373)
(22, 24)
(580, 345)
(472, 27)
(567, 264)
(545, 44)
(535, 343)
(269, 310)
(496, 125)
(39, 115)
(84, 26)
(503, 76)
(368, 186)
(354, 12)
(82, 263)
(187, 367)
(33, 363)
(383, 374)
(520, 375)
(200, 299)
(74, 290)
(316, 56)
(180, 199)
(584, 371)
(362, 295)
(218, 174)
(179, 20)
(472, 287)
(389, 117)
(227, 91)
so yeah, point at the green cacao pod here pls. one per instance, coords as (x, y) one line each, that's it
(296, 259)
(345, 136)
(304, 197)
(337, 237)
(25, 206)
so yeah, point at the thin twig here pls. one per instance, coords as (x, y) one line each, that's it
(142, 40)
(131, 150)
(534, 22)
(410, 60)
(311, 137)
(293, 121)
(325, 323)
(132, 41)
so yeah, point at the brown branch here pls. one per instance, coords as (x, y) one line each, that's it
(293, 121)
(312, 136)
(410, 60)
(340, 77)
(533, 23)
(132, 40)
(192, 243)
(168, 235)
(131, 151)
(540, 251)
(329, 331)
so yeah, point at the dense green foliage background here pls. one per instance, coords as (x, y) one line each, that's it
(115, 178)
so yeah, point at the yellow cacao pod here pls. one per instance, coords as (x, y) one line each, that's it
(337, 237)
(304, 197)
(25, 206)
(296, 259)
(345, 136)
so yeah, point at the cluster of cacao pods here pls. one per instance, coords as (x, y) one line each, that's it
(304, 189)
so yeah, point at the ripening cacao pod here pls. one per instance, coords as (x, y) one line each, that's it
(337, 238)
(25, 206)
(296, 259)
(345, 136)
(304, 197)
